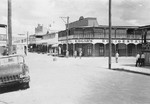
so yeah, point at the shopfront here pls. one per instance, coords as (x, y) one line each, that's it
(100, 47)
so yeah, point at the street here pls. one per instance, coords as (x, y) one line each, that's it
(79, 81)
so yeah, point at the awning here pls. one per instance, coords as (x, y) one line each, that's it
(41, 42)
(55, 45)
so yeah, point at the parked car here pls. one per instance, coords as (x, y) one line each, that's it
(13, 70)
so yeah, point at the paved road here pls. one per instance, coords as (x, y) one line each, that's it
(79, 81)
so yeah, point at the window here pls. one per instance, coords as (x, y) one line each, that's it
(121, 33)
(98, 33)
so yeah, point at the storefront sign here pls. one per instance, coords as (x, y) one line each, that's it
(83, 41)
(104, 41)
(122, 41)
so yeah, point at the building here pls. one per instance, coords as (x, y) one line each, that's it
(3, 37)
(19, 43)
(43, 41)
(48, 43)
(32, 43)
(146, 43)
(93, 39)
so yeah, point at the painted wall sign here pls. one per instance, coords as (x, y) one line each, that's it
(104, 41)
(122, 41)
(83, 41)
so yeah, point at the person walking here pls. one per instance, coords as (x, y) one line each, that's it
(75, 53)
(137, 60)
(25, 50)
(67, 53)
(80, 54)
(117, 56)
(142, 59)
(5, 52)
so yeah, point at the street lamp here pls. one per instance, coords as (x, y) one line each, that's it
(109, 35)
(67, 28)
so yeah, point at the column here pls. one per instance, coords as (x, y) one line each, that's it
(93, 50)
(126, 50)
(136, 49)
(104, 33)
(73, 49)
(46, 48)
(104, 50)
(115, 48)
(115, 33)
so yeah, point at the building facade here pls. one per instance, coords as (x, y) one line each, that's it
(3, 37)
(43, 41)
(93, 39)
(146, 43)
(18, 44)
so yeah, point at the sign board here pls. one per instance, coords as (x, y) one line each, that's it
(104, 41)
(10, 60)
(83, 41)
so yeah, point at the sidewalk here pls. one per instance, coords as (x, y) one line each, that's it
(130, 67)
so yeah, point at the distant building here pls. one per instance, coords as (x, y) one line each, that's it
(39, 29)
(19, 42)
(43, 41)
(146, 42)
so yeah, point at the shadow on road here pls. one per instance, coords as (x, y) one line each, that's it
(133, 65)
(9, 89)
(131, 71)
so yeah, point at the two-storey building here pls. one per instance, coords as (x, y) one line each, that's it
(146, 43)
(93, 39)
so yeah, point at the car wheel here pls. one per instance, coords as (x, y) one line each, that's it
(25, 85)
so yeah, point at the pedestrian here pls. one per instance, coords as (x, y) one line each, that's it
(142, 59)
(137, 60)
(67, 53)
(25, 50)
(80, 54)
(59, 50)
(4, 52)
(117, 56)
(75, 53)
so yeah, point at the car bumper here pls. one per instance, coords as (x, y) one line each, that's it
(18, 81)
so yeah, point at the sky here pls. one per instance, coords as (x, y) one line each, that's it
(27, 14)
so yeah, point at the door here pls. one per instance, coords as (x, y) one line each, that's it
(101, 51)
(89, 50)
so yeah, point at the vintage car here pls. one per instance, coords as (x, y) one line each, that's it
(13, 70)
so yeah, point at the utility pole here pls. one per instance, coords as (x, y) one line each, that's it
(67, 35)
(27, 39)
(109, 34)
(67, 29)
(9, 28)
